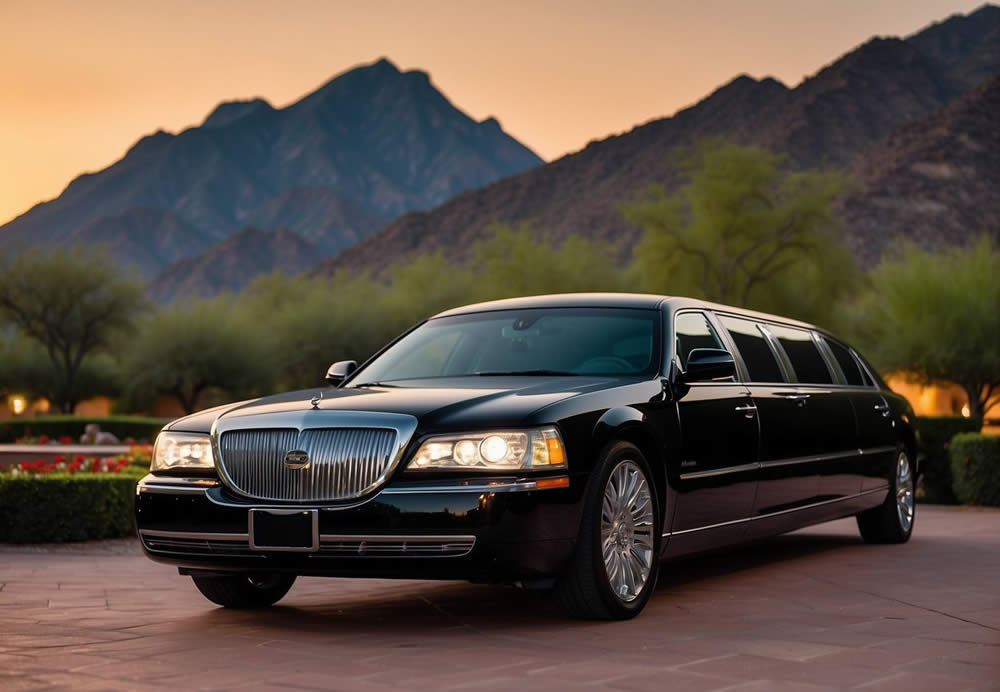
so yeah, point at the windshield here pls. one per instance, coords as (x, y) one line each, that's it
(562, 341)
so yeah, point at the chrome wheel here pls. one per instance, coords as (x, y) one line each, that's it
(627, 530)
(904, 492)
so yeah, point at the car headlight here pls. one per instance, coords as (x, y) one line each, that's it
(182, 451)
(514, 450)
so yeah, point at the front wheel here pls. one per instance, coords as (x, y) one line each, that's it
(614, 568)
(892, 521)
(245, 590)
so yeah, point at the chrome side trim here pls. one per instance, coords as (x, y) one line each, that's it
(785, 462)
(195, 535)
(792, 461)
(878, 450)
(776, 514)
(720, 472)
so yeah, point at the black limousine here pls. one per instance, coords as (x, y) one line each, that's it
(566, 442)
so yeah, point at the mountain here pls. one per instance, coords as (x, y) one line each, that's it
(233, 263)
(366, 146)
(829, 119)
(935, 181)
(153, 237)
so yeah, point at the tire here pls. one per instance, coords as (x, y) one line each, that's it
(245, 590)
(590, 589)
(892, 521)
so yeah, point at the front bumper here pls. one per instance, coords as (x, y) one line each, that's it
(489, 530)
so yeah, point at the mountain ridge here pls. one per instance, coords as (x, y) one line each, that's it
(371, 142)
(828, 119)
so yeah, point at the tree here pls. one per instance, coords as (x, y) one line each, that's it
(73, 305)
(26, 369)
(936, 315)
(516, 262)
(187, 350)
(740, 227)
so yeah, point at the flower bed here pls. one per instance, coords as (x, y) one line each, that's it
(53, 429)
(70, 499)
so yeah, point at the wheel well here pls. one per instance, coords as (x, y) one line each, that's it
(647, 445)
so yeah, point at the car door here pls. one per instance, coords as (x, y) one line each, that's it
(876, 439)
(719, 437)
(784, 482)
(830, 447)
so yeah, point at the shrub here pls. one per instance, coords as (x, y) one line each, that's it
(55, 427)
(975, 466)
(935, 436)
(58, 507)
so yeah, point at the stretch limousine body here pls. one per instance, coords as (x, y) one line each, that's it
(567, 442)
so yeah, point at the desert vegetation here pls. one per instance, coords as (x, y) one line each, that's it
(743, 229)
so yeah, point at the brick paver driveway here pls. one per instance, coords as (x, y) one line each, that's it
(812, 610)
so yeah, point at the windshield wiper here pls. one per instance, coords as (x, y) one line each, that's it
(515, 373)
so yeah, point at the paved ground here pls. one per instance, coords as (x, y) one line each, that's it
(812, 610)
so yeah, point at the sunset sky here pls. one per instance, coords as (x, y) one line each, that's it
(81, 81)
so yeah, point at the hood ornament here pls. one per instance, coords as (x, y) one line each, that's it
(315, 400)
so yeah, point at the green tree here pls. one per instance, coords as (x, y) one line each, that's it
(516, 262)
(186, 351)
(74, 306)
(936, 315)
(744, 230)
(26, 369)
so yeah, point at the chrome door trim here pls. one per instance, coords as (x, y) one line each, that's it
(742, 468)
(776, 514)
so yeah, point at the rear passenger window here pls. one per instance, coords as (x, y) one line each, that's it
(691, 331)
(753, 347)
(849, 366)
(807, 361)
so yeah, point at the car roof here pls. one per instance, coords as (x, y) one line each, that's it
(615, 300)
(562, 300)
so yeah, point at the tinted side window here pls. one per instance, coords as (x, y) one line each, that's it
(847, 364)
(753, 347)
(806, 359)
(691, 331)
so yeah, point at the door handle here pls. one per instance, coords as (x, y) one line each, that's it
(794, 396)
(748, 410)
(883, 409)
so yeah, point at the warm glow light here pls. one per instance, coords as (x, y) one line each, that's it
(18, 404)
(965, 411)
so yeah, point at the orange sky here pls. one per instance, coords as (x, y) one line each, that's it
(81, 81)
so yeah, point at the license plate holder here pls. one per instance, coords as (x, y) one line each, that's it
(286, 530)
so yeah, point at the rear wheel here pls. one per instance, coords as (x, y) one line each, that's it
(614, 568)
(245, 590)
(892, 521)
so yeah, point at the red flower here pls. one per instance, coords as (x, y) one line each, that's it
(79, 458)
(75, 466)
(43, 439)
(60, 459)
(65, 440)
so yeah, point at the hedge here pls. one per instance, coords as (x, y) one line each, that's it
(975, 466)
(122, 427)
(59, 507)
(935, 435)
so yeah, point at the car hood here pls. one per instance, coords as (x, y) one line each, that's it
(444, 403)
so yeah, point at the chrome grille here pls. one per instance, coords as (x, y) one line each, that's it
(344, 463)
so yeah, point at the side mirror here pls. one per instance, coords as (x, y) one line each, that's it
(340, 371)
(708, 364)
